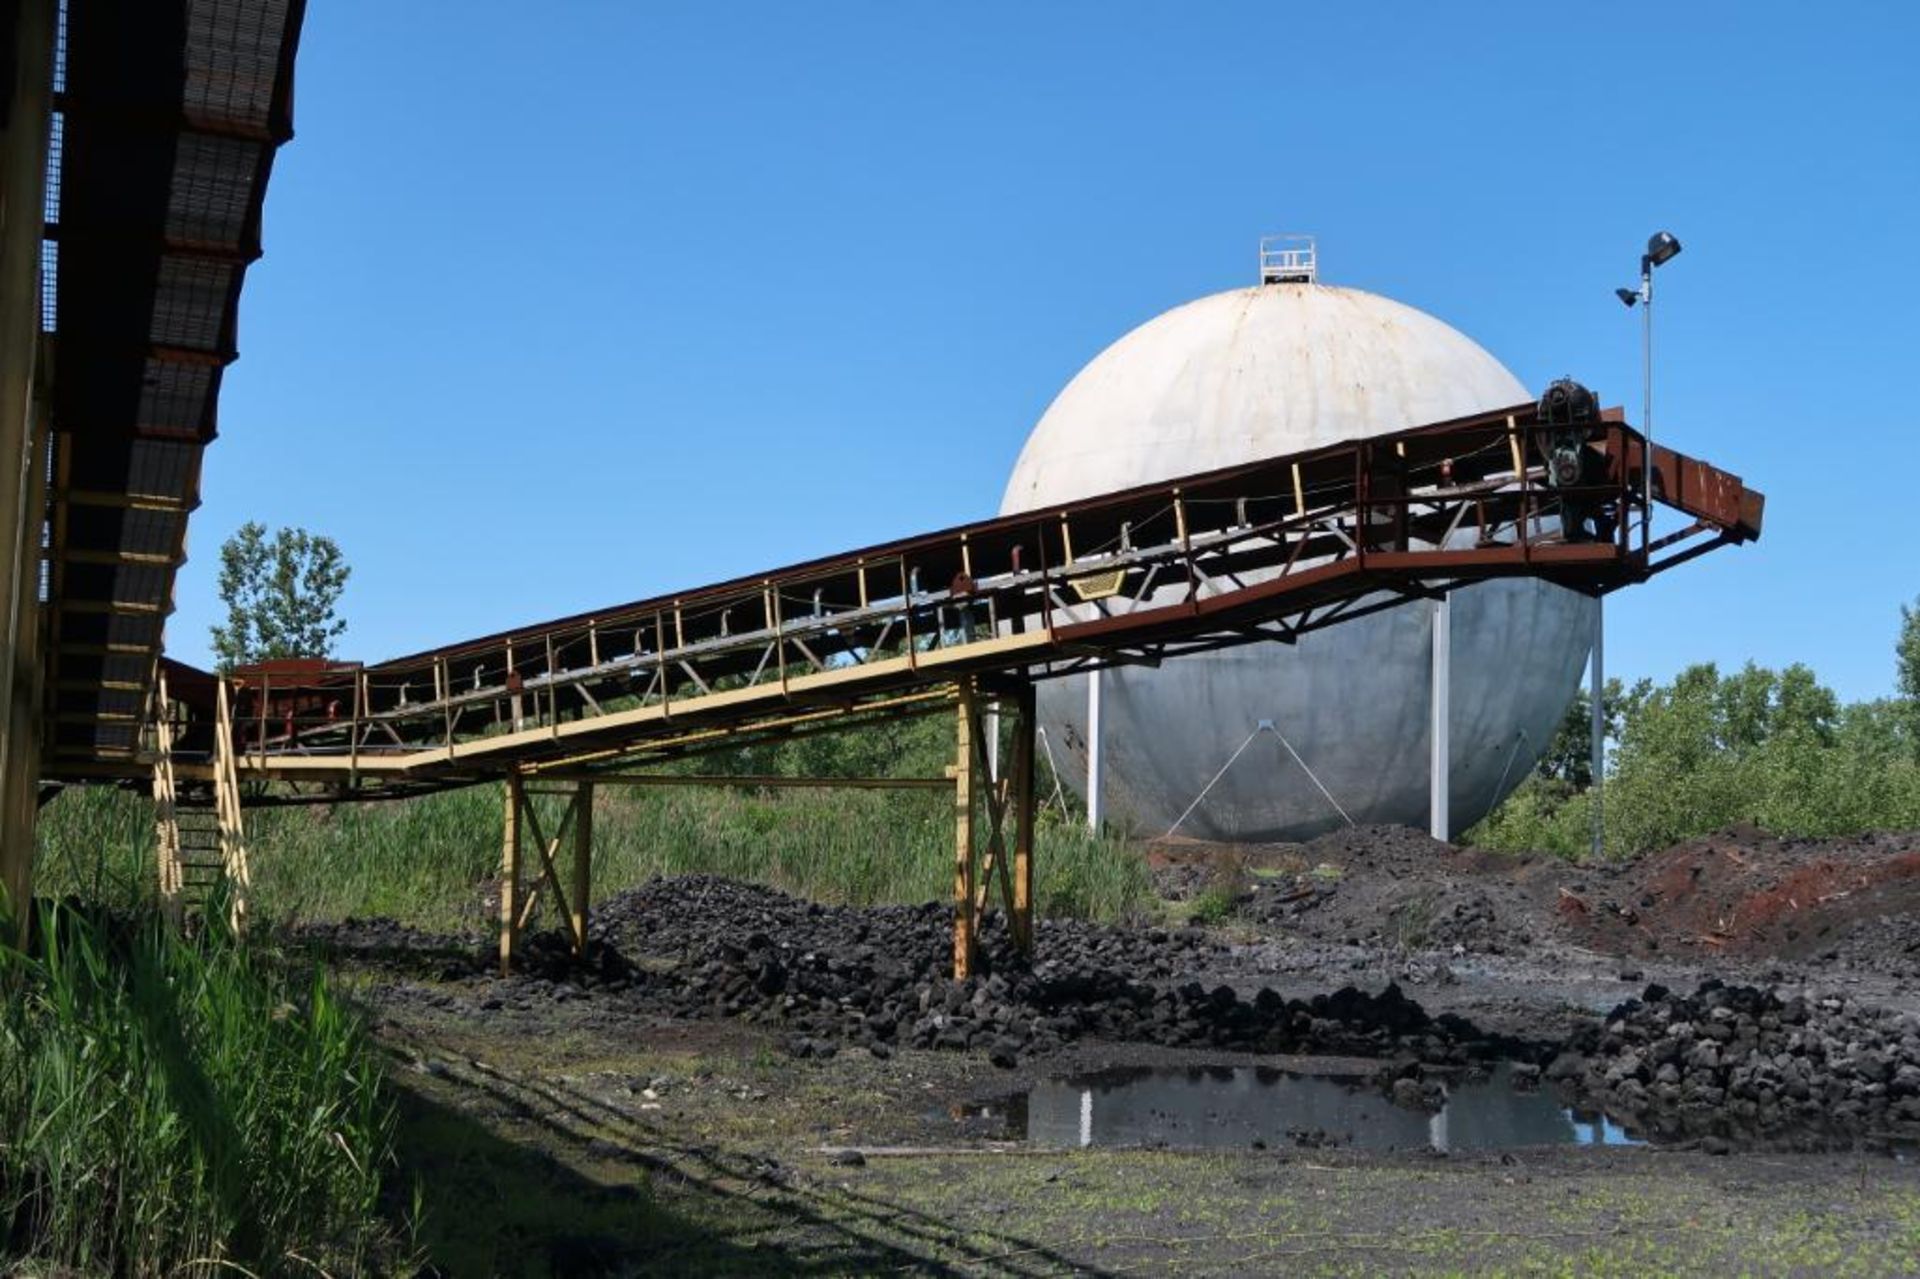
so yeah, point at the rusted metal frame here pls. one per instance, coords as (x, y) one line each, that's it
(1524, 521)
(913, 599)
(266, 694)
(1693, 552)
(1678, 536)
(831, 623)
(1626, 499)
(1383, 601)
(1156, 493)
(753, 781)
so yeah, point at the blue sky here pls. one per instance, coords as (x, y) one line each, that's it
(639, 296)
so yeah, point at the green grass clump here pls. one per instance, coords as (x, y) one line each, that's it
(182, 1108)
(434, 861)
(1214, 906)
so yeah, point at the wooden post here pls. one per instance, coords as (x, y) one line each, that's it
(510, 874)
(582, 865)
(963, 799)
(1021, 908)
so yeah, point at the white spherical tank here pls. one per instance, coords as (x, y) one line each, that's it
(1256, 373)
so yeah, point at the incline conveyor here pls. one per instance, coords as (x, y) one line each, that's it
(966, 617)
(1264, 551)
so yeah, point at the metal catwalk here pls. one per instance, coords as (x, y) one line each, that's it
(963, 620)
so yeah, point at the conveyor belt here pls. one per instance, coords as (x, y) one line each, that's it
(1261, 552)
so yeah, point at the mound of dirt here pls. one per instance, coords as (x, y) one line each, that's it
(1742, 893)
(1390, 885)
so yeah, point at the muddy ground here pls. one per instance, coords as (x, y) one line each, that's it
(741, 1083)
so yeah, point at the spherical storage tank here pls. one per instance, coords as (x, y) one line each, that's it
(1252, 373)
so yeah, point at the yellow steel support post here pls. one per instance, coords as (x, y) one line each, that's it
(230, 816)
(510, 873)
(1020, 909)
(963, 801)
(582, 866)
(165, 811)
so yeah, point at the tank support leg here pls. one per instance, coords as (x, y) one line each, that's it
(1439, 764)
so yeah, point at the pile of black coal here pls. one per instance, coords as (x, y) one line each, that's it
(1743, 1060)
(880, 978)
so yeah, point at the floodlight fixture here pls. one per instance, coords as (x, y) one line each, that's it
(1662, 248)
(1628, 297)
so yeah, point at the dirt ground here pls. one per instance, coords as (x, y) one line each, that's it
(700, 1101)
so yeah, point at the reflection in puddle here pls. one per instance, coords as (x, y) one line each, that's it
(1242, 1106)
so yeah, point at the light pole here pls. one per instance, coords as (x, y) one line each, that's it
(1662, 248)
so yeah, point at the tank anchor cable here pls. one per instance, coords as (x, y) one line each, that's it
(1264, 726)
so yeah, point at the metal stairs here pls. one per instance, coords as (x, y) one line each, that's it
(199, 827)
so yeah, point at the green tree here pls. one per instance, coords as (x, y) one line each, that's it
(1906, 660)
(1568, 759)
(280, 592)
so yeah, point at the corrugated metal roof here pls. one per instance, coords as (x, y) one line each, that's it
(167, 120)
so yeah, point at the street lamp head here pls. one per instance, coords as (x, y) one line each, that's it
(1627, 296)
(1662, 248)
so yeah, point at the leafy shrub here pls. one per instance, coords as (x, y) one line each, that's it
(1774, 748)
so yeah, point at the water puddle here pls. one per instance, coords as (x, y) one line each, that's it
(1237, 1107)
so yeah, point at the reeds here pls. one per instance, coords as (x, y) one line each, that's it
(179, 1107)
(433, 861)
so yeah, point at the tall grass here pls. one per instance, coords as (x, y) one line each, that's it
(178, 1107)
(434, 861)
